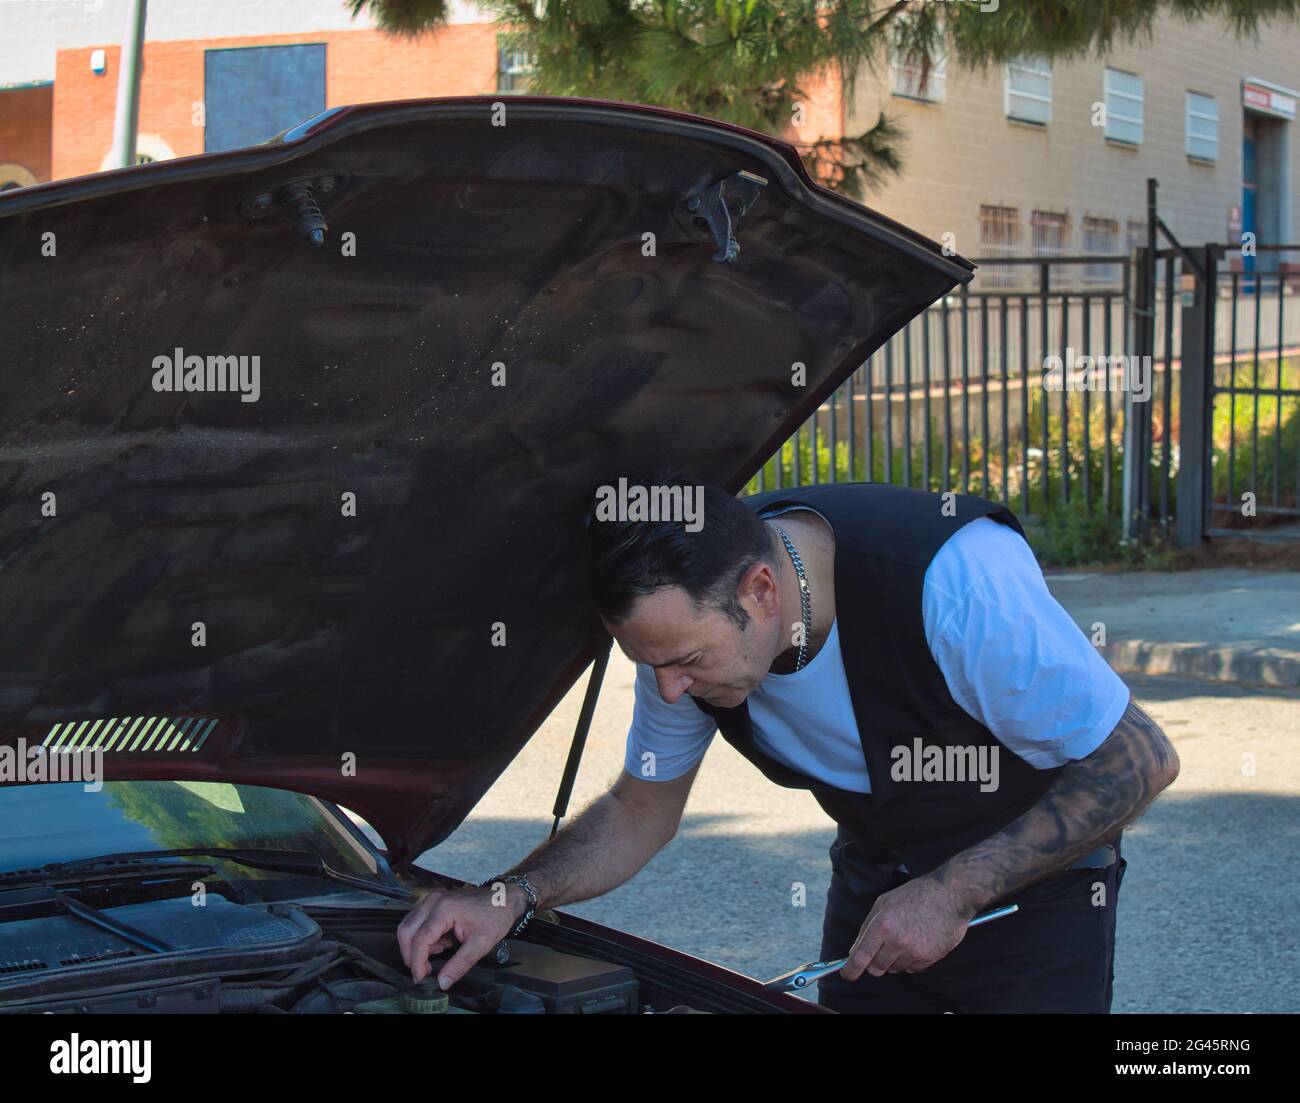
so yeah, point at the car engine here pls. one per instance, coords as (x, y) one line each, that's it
(173, 956)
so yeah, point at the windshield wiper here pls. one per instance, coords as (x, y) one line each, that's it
(281, 861)
(137, 867)
(96, 918)
(28, 892)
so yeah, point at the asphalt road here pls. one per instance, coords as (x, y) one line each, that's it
(1207, 914)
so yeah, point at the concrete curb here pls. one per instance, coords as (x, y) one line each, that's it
(1247, 666)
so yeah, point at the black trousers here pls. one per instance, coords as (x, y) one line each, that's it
(1055, 954)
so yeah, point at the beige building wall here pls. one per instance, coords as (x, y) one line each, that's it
(964, 151)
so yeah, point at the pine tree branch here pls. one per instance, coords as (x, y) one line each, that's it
(742, 61)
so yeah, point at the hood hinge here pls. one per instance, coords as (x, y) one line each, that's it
(717, 209)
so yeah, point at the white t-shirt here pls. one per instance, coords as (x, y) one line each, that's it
(1011, 656)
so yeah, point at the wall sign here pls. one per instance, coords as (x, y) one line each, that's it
(1267, 100)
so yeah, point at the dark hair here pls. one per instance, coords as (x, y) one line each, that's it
(629, 559)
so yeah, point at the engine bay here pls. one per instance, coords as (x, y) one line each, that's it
(176, 955)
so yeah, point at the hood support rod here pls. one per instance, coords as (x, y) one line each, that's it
(580, 732)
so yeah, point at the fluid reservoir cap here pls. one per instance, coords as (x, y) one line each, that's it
(426, 998)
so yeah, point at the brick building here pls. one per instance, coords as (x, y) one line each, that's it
(218, 76)
(26, 126)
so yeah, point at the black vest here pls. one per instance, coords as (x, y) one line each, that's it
(885, 538)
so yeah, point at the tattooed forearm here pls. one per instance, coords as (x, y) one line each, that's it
(1088, 804)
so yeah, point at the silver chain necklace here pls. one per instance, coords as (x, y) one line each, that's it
(805, 597)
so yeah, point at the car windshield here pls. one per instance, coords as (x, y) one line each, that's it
(64, 822)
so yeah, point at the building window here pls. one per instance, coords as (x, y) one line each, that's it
(1202, 127)
(1050, 233)
(1135, 230)
(253, 93)
(513, 67)
(1029, 90)
(1101, 238)
(148, 148)
(905, 77)
(1049, 236)
(999, 237)
(13, 175)
(1123, 107)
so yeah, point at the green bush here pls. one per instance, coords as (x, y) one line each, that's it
(1279, 429)
(1076, 537)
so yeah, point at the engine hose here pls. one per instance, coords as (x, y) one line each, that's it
(246, 999)
(365, 962)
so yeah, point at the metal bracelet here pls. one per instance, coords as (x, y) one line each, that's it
(522, 881)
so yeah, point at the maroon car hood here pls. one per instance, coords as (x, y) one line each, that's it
(306, 590)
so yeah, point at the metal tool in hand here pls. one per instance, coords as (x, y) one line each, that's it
(798, 979)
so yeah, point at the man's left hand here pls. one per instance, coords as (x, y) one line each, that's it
(908, 929)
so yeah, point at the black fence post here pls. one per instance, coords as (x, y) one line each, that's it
(1195, 397)
(1134, 498)
(1153, 276)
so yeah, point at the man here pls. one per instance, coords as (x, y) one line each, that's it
(897, 653)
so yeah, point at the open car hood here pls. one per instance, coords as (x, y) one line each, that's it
(306, 590)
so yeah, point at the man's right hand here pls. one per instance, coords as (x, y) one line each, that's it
(466, 916)
(606, 843)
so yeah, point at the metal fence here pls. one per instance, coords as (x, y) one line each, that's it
(1247, 407)
(956, 401)
(1176, 391)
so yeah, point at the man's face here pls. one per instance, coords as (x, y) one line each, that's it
(704, 652)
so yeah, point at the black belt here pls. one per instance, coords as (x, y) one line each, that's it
(1095, 859)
